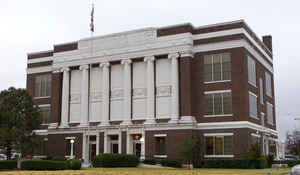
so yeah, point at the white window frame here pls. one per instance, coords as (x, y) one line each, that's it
(254, 95)
(214, 135)
(250, 59)
(269, 90)
(40, 90)
(272, 109)
(261, 91)
(212, 65)
(219, 92)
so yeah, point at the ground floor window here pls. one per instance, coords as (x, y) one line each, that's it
(160, 145)
(218, 145)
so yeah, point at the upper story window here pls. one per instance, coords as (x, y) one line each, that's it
(261, 91)
(45, 112)
(218, 145)
(270, 114)
(253, 105)
(268, 84)
(217, 67)
(43, 86)
(218, 103)
(251, 71)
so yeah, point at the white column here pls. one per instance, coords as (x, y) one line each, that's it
(97, 143)
(65, 98)
(105, 89)
(105, 142)
(128, 143)
(143, 145)
(150, 90)
(84, 96)
(84, 145)
(120, 142)
(175, 87)
(127, 92)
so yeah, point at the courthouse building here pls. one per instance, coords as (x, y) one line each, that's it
(146, 91)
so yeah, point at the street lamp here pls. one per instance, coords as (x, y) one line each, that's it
(72, 142)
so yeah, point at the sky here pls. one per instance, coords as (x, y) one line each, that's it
(36, 25)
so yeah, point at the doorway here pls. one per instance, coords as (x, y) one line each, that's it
(137, 148)
(92, 147)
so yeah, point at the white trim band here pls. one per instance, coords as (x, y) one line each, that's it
(217, 134)
(160, 135)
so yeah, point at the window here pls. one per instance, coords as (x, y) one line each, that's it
(45, 112)
(251, 71)
(261, 91)
(253, 105)
(268, 84)
(270, 113)
(218, 103)
(217, 67)
(160, 145)
(218, 145)
(43, 86)
(255, 139)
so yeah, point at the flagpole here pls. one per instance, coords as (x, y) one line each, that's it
(92, 43)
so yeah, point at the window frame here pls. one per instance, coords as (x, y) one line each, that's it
(41, 111)
(268, 79)
(212, 68)
(222, 92)
(42, 86)
(268, 113)
(250, 59)
(250, 114)
(161, 150)
(214, 135)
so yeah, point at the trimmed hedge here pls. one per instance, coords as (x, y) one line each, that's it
(74, 164)
(8, 164)
(292, 163)
(58, 158)
(115, 160)
(171, 163)
(231, 163)
(149, 161)
(43, 165)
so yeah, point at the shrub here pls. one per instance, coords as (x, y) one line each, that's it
(115, 160)
(8, 164)
(254, 152)
(292, 163)
(149, 161)
(270, 159)
(171, 163)
(235, 163)
(74, 164)
(58, 158)
(43, 165)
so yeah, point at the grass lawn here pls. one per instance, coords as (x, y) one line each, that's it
(146, 171)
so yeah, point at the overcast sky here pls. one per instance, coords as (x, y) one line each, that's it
(35, 25)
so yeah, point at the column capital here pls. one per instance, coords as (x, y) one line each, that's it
(173, 55)
(65, 69)
(84, 67)
(126, 61)
(187, 53)
(104, 64)
(149, 58)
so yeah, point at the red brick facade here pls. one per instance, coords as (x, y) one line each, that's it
(191, 94)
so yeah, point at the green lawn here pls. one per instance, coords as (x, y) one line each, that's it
(148, 171)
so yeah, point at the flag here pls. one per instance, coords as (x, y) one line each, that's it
(92, 20)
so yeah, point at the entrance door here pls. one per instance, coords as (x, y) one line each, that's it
(93, 150)
(115, 148)
(137, 148)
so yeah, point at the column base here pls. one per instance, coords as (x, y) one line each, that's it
(63, 126)
(174, 121)
(86, 165)
(150, 122)
(52, 125)
(126, 122)
(104, 124)
(83, 125)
